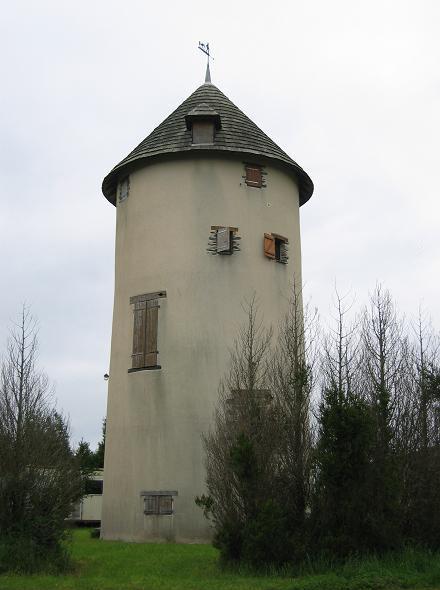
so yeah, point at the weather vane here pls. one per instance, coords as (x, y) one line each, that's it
(205, 48)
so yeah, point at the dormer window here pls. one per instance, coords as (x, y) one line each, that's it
(203, 122)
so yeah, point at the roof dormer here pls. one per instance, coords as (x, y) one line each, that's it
(203, 121)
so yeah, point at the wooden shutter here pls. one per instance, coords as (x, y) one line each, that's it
(150, 503)
(254, 176)
(223, 240)
(138, 355)
(145, 334)
(269, 246)
(146, 309)
(151, 333)
(165, 505)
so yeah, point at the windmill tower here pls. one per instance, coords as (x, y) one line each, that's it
(207, 213)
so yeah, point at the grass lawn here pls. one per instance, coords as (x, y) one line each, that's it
(105, 565)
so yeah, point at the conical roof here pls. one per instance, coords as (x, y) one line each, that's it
(238, 134)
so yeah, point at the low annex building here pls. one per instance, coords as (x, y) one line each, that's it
(207, 214)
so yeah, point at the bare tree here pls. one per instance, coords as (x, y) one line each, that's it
(426, 355)
(419, 446)
(384, 356)
(239, 446)
(246, 454)
(340, 360)
(39, 478)
(341, 503)
(291, 383)
(384, 347)
(259, 450)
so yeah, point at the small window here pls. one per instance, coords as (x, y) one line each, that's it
(158, 503)
(203, 132)
(223, 240)
(146, 308)
(124, 189)
(254, 175)
(93, 486)
(275, 247)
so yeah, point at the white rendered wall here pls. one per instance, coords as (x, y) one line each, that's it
(155, 417)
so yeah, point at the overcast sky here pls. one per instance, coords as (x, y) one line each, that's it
(349, 89)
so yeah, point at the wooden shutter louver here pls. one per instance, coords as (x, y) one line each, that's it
(269, 246)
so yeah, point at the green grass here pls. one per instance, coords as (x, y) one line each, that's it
(108, 565)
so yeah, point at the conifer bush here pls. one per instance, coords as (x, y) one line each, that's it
(40, 478)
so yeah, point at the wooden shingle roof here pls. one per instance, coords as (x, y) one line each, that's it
(238, 134)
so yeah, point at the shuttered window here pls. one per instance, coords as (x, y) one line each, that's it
(275, 247)
(223, 240)
(145, 324)
(158, 505)
(254, 175)
(159, 502)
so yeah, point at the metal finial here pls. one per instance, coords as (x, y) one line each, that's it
(205, 48)
(207, 75)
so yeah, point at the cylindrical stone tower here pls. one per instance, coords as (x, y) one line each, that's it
(207, 213)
